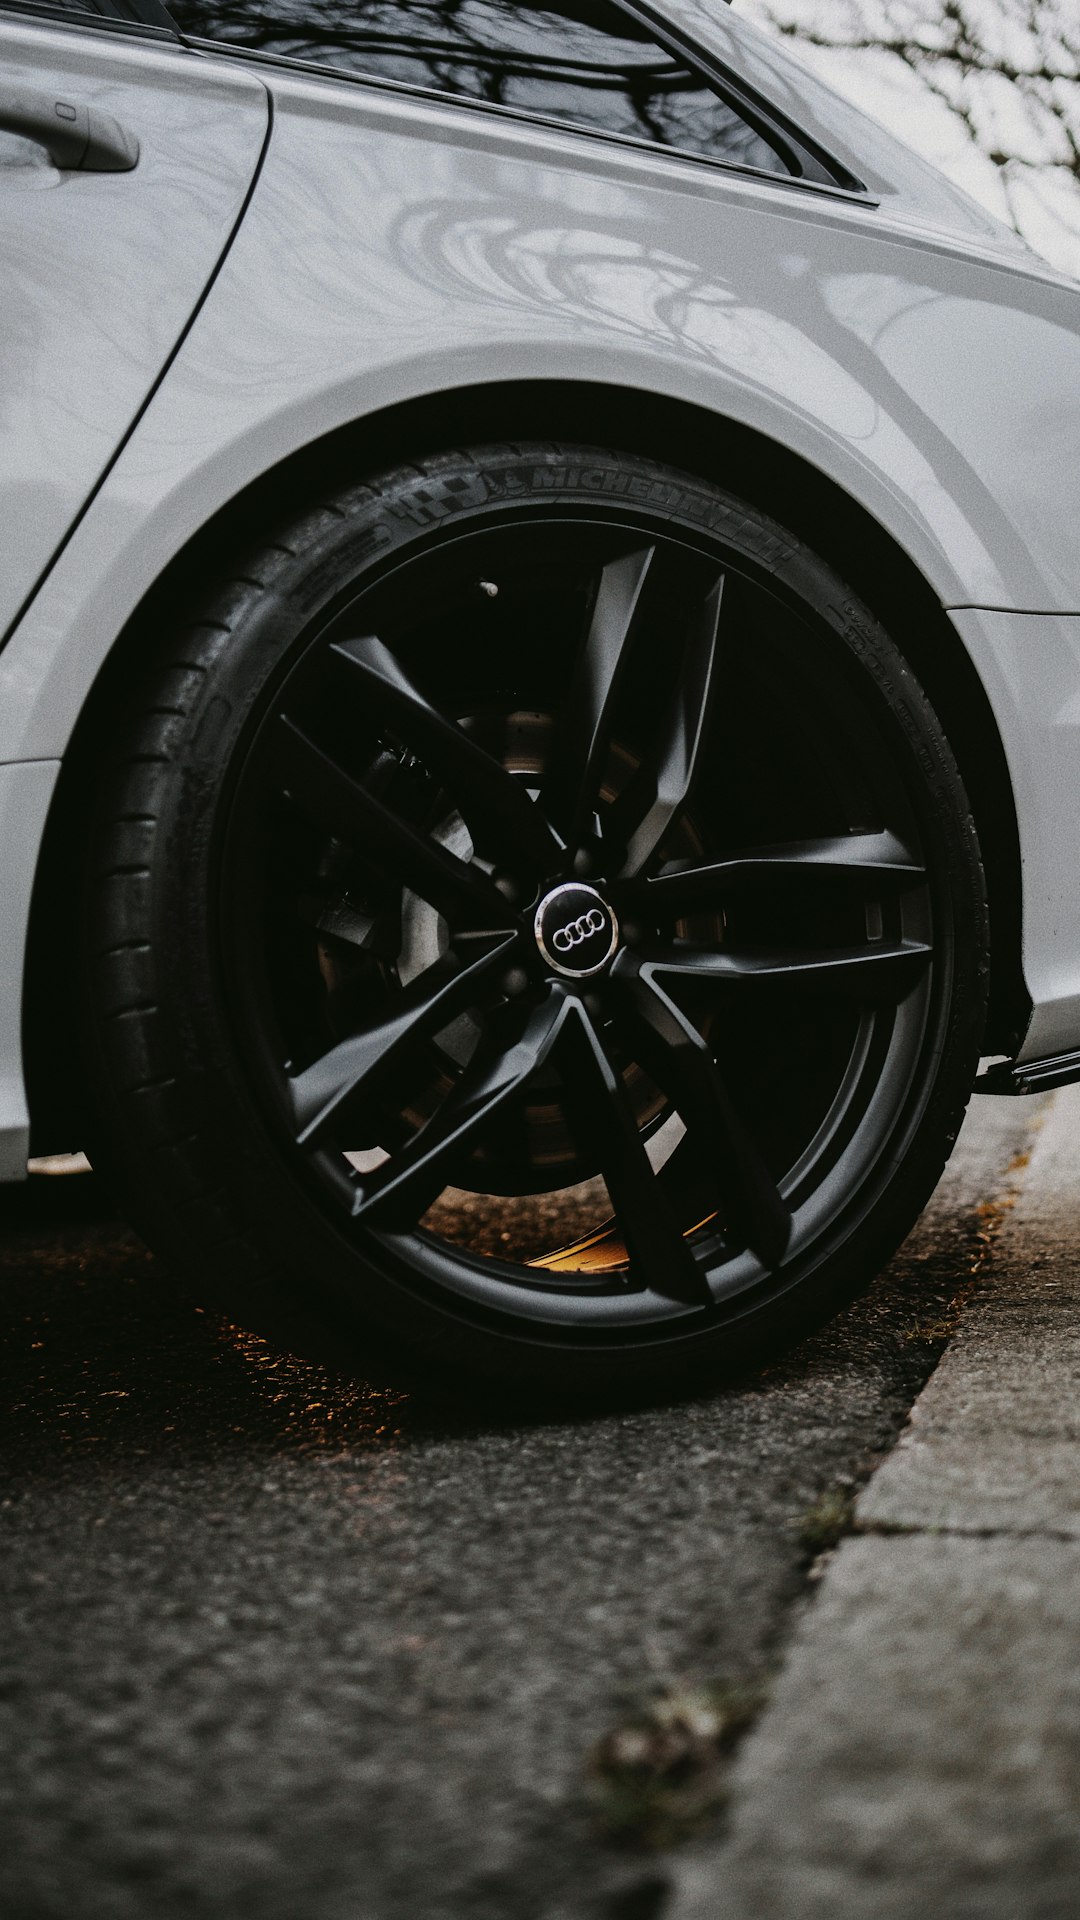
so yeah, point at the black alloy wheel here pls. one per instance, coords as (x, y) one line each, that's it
(569, 952)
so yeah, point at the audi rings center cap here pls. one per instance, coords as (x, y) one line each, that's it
(576, 931)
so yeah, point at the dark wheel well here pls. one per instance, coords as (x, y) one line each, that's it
(677, 433)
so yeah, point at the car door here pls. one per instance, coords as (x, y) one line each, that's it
(125, 162)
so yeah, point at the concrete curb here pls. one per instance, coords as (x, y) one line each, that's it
(921, 1753)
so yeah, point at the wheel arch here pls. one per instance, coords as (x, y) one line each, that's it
(679, 433)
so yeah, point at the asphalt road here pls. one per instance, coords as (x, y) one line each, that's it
(281, 1646)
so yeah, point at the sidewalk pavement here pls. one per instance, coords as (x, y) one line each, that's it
(920, 1755)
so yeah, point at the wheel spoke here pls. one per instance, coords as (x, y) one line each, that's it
(580, 748)
(881, 970)
(334, 799)
(866, 863)
(672, 1051)
(397, 1195)
(661, 790)
(504, 822)
(601, 1112)
(342, 1079)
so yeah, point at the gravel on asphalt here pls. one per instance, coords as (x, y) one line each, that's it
(281, 1645)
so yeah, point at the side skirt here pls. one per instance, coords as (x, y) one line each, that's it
(1033, 1076)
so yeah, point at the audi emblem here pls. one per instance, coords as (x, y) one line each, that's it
(578, 930)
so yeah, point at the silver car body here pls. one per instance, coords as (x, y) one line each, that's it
(296, 254)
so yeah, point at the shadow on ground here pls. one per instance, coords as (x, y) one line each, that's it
(281, 1643)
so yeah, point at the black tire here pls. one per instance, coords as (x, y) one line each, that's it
(797, 1034)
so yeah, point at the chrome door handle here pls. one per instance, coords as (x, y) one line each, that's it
(76, 138)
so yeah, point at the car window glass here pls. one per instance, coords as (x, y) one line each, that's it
(137, 14)
(83, 7)
(579, 60)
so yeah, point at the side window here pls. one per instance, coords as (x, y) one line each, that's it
(123, 13)
(584, 61)
(83, 7)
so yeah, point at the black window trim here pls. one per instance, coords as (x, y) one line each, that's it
(815, 165)
(148, 19)
(829, 188)
(811, 168)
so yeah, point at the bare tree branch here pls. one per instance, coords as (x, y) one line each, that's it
(1006, 73)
